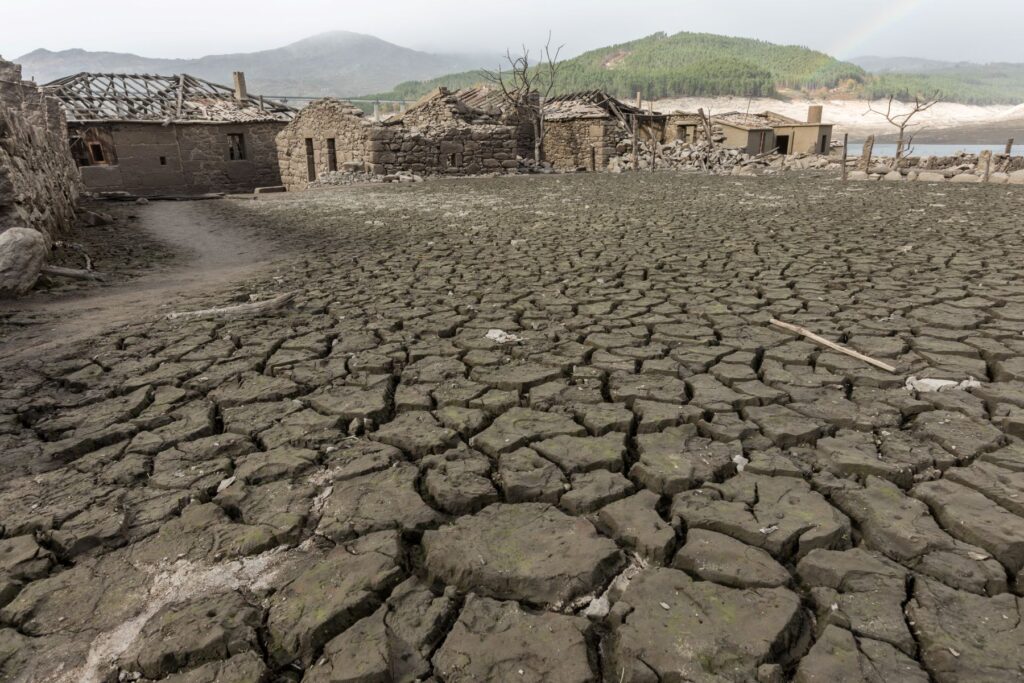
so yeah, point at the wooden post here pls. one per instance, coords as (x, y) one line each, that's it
(636, 141)
(654, 141)
(846, 151)
(1009, 147)
(986, 159)
(869, 148)
(639, 101)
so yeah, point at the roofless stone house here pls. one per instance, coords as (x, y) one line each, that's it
(151, 135)
(464, 132)
(584, 129)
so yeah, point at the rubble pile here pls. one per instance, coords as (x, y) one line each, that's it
(358, 176)
(712, 157)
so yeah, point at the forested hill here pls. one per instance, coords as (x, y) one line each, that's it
(702, 64)
(684, 64)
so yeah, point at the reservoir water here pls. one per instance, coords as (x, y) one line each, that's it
(923, 150)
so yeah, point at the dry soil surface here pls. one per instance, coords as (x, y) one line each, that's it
(539, 429)
(151, 256)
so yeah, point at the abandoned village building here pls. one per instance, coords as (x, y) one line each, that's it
(767, 131)
(151, 135)
(464, 132)
(584, 130)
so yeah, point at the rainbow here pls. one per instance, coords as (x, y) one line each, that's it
(853, 43)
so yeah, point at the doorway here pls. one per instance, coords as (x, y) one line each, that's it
(782, 144)
(310, 162)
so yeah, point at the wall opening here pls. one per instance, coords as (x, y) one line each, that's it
(782, 144)
(92, 146)
(451, 161)
(163, 161)
(332, 155)
(236, 147)
(824, 144)
(310, 163)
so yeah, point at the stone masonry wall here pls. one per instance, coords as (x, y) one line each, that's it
(461, 150)
(581, 143)
(39, 184)
(186, 158)
(424, 143)
(323, 120)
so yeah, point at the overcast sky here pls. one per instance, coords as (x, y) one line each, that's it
(975, 30)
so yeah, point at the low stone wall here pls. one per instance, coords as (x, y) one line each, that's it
(39, 184)
(463, 150)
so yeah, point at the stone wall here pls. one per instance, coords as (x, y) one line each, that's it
(424, 142)
(185, 158)
(581, 143)
(39, 184)
(323, 120)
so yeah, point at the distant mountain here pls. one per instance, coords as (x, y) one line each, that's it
(995, 83)
(339, 63)
(906, 65)
(702, 64)
(663, 65)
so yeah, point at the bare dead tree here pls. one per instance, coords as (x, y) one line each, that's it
(902, 120)
(525, 86)
(708, 150)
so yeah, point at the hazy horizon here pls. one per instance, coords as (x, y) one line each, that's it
(930, 29)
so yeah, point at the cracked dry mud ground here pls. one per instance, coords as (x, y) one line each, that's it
(648, 483)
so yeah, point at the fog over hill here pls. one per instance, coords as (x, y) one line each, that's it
(337, 63)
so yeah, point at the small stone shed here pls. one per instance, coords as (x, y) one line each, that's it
(681, 126)
(584, 129)
(152, 135)
(464, 132)
(801, 137)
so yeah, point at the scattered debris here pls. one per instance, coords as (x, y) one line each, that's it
(502, 337)
(832, 345)
(928, 385)
(239, 311)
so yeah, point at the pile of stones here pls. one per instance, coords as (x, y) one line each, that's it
(713, 158)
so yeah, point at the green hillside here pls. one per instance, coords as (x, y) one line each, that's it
(682, 64)
(968, 83)
(688, 64)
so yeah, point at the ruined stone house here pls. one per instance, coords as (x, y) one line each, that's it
(801, 137)
(465, 132)
(767, 132)
(39, 185)
(682, 127)
(585, 130)
(152, 135)
(750, 133)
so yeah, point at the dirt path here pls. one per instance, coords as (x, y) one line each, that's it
(214, 253)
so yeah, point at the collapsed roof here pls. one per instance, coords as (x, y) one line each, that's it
(478, 105)
(165, 99)
(738, 119)
(592, 104)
